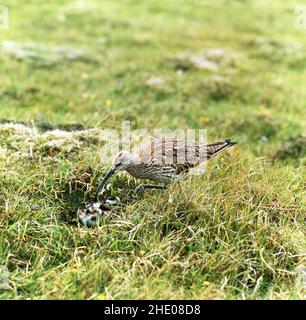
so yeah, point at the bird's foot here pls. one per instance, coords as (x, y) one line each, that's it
(138, 189)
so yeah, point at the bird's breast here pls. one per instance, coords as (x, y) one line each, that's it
(152, 172)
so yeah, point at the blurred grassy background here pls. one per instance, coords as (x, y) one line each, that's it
(96, 63)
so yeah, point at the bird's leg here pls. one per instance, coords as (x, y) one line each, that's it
(142, 186)
(180, 186)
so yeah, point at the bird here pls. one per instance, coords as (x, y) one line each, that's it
(164, 160)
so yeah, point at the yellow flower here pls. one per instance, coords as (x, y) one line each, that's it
(100, 297)
(108, 102)
(202, 119)
(142, 253)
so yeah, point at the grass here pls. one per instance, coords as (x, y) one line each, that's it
(238, 232)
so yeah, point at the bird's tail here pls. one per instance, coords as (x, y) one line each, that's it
(215, 148)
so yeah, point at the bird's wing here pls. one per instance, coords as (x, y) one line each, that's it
(179, 154)
(164, 150)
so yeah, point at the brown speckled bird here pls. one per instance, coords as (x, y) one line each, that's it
(163, 160)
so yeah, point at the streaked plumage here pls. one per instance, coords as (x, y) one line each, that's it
(164, 160)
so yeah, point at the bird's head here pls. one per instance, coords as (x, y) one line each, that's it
(120, 163)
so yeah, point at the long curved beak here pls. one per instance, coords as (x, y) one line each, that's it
(103, 182)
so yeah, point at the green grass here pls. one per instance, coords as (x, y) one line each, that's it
(236, 232)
